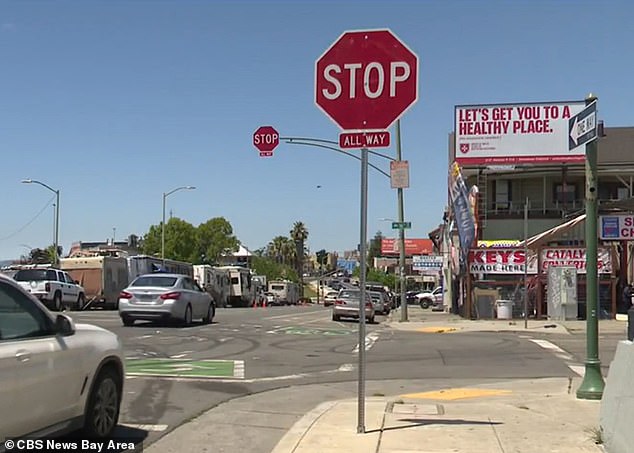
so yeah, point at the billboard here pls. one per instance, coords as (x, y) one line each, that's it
(507, 134)
(427, 262)
(616, 227)
(391, 246)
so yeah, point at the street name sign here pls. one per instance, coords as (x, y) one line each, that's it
(401, 225)
(366, 80)
(358, 140)
(582, 128)
(266, 139)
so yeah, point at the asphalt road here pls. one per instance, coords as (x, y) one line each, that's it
(176, 373)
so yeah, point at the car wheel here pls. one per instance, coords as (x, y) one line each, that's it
(127, 321)
(57, 302)
(187, 321)
(102, 411)
(424, 304)
(81, 301)
(210, 315)
(371, 320)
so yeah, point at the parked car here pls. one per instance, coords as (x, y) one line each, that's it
(380, 302)
(271, 299)
(56, 376)
(432, 299)
(347, 305)
(167, 297)
(330, 297)
(55, 288)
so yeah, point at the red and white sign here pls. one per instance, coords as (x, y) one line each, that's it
(399, 174)
(265, 139)
(574, 257)
(366, 80)
(501, 261)
(358, 140)
(390, 246)
(505, 134)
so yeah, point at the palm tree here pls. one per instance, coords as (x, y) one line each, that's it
(276, 248)
(299, 234)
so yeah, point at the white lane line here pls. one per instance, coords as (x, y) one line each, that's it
(295, 315)
(145, 427)
(552, 347)
(238, 369)
(370, 339)
(578, 369)
(346, 367)
(178, 356)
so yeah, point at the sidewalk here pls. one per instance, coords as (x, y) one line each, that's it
(526, 416)
(427, 321)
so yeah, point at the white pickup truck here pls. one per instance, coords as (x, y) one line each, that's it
(432, 299)
(55, 288)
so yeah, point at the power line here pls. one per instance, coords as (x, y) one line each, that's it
(22, 228)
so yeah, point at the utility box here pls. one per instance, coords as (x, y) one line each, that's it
(561, 293)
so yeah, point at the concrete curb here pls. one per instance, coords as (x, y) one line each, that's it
(294, 436)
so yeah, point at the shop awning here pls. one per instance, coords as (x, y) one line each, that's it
(553, 233)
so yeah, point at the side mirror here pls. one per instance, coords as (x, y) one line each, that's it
(64, 326)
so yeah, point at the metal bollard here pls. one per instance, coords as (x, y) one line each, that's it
(630, 323)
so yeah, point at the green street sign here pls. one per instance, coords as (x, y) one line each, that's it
(401, 225)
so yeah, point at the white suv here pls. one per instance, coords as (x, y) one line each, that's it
(55, 377)
(433, 299)
(55, 288)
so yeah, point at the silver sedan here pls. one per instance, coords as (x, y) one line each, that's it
(157, 297)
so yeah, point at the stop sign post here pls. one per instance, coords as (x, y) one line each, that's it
(366, 80)
(266, 139)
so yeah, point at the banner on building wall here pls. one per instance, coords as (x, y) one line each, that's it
(501, 261)
(427, 263)
(616, 227)
(511, 261)
(507, 134)
(574, 257)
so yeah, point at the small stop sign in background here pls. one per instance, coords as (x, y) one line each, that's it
(265, 139)
(366, 80)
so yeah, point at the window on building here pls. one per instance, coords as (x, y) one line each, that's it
(565, 193)
(502, 193)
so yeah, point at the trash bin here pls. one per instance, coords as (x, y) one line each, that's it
(504, 309)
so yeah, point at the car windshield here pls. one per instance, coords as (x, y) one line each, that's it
(28, 275)
(346, 294)
(154, 280)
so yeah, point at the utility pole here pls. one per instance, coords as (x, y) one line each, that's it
(401, 231)
(592, 386)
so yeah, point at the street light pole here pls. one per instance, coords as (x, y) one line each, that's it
(56, 192)
(165, 195)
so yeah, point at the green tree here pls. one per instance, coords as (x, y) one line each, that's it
(214, 238)
(276, 249)
(273, 270)
(299, 234)
(40, 256)
(180, 241)
(375, 248)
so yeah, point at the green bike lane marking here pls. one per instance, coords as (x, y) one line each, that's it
(291, 330)
(184, 368)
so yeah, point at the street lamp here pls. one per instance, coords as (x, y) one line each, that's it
(56, 192)
(165, 195)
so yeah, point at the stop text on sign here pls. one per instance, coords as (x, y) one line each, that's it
(357, 140)
(266, 139)
(373, 79)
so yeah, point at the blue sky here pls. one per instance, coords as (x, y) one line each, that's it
(114, 103)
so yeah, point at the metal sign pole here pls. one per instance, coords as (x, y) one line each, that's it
(363, 245)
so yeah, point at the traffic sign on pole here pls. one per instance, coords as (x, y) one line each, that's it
(401, 225)
(366, 80)
(266, 139)
(358, 140)
(582, 128)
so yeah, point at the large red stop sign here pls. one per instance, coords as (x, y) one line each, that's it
(366, 80)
